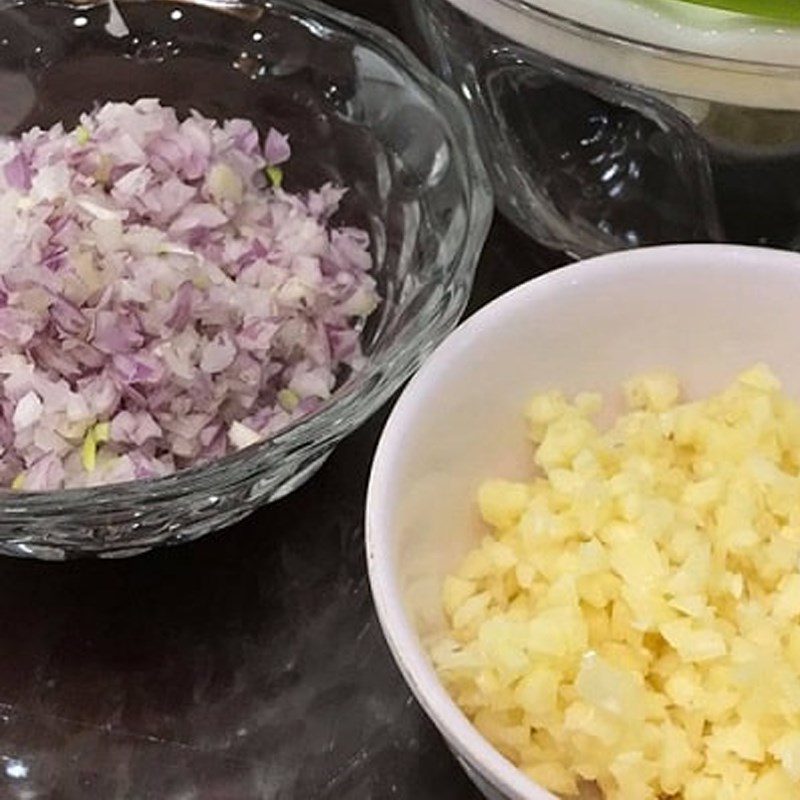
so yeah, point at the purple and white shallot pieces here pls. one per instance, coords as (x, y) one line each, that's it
(163, 301)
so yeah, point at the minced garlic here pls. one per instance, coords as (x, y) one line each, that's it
(631, 623)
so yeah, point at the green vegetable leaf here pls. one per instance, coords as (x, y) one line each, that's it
(779, 10)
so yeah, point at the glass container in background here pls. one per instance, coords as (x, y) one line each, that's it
(629, 122)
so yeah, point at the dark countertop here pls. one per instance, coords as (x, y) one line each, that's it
(247, 665)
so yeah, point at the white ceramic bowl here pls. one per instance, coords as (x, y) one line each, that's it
(704, 311)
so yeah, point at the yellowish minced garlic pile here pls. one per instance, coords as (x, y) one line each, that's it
(632, 620)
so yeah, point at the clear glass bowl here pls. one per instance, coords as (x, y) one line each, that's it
(659, 122)
(362, 111)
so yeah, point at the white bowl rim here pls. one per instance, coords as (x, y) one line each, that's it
(398, 630)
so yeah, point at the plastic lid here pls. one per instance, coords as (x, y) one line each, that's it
(679, 47)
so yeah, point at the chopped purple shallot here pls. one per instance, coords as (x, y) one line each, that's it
(163, 301)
